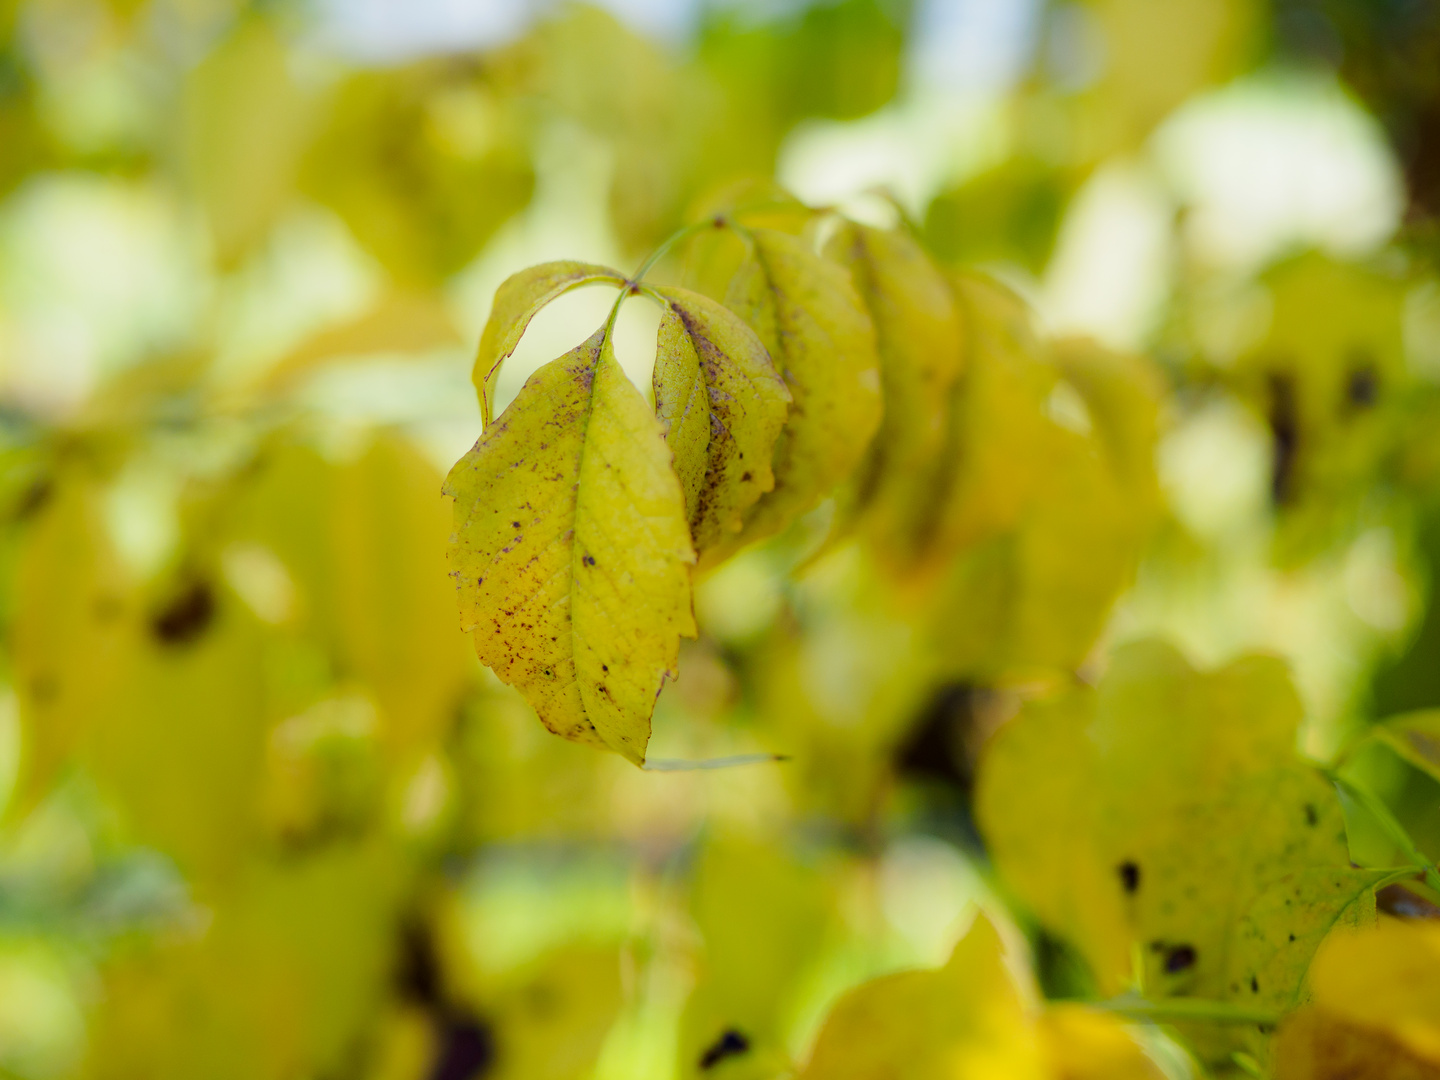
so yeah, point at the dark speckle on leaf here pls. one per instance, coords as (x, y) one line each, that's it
(1180, 958)
(1129, 876)
(1254, 985)
(185, 617)
(1312, 817)
(466, 1049)
(589, 560)
(730, 1044)
(514, 524)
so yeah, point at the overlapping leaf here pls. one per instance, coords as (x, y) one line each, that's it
(807, 313)
(571, 550)
(1166, 816)
(918, 334)
(723, 404)
(517, 301)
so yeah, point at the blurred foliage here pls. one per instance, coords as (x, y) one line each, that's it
(1102, 679)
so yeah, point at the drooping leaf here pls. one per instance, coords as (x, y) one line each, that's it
(918, 334)
(808, 315)
(517, 301)
(1166, 816)
(1035, 594)
(723, 404)
(571, 551)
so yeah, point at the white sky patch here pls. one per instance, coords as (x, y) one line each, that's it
(393, 31)
(972, 45)
(912, 149)
(1270, 163)
(1111, 273)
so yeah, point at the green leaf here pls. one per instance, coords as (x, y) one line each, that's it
(810, 318)
(517, 301)
(1415, 737)
(723, 404)
(918, 334)
(1166, 816)
(571, 551)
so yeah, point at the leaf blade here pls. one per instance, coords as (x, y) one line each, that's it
(517, 301)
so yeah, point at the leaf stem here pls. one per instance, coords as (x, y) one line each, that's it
(1181, 1008)
(719, 221)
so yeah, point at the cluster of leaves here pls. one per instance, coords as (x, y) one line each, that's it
(583, 510)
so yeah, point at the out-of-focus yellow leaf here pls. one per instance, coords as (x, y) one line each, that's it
(424, 162)
(1165, 815)
(1037, 594)
(178, 741)
(517, 301)
(1146, 61)
(551, 1017)
(754, 956)
(723, 404)
(966, 1019)
(1374, 1009)
(1000, 442)
(399, 323)
(353, 554)
(571, 550)
(918, 334)
(278, 983)
(71, 639)
(820, 337)
(1087, 1044)
(246, 123)
(1313, 1044)
(1327, 378)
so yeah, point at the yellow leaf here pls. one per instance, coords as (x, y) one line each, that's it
(1087, 1044)
(755, 957)
(571, 551)
(1166, 816)
(245, 125)
(808, 315)
(723, 405)
(918, 334)
(424, 162)
(965, 1020)
(1381, 985)
(70, 634)
(399, 323)
(517, 301)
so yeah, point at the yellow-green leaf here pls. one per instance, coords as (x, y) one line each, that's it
(723, 404)
(918, 334)
(517, 301)
(807, 313)
(1165, 816)
(571, 550)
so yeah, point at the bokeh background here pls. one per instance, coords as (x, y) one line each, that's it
(266, 816)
